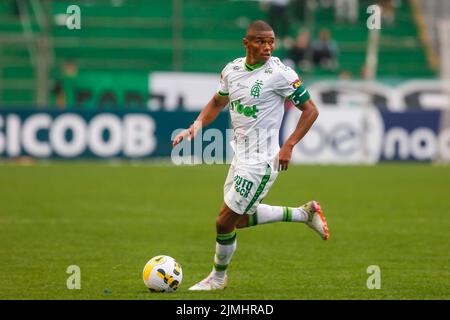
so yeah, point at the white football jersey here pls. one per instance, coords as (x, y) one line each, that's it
(257, 107)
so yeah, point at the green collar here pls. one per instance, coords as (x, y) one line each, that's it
(251, 67)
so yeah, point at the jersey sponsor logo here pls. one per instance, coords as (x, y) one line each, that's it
(248, 111)
(255, 91)
(242, 186)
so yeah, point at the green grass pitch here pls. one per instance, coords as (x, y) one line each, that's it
(111, 219)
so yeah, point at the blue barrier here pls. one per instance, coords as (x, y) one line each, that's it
(346, 135)
(53, 134)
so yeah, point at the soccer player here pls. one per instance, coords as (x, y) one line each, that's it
(256, 87)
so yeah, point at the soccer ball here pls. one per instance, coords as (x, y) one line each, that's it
(162, 274)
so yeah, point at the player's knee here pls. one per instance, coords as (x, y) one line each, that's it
(225, 222)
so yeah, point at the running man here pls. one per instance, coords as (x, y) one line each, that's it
(256, 87)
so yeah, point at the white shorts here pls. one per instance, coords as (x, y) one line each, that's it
(246, 186)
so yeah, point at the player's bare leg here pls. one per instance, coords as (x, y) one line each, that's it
(310, 213)
(225, 247)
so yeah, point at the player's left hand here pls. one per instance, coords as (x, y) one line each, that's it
(284, 157)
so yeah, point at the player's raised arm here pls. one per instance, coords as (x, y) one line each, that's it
(309, 115)
(208, 115)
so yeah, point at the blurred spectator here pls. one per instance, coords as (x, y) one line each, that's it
(15, 10)
(325, 51)
(345, 75)
(69, 70)
(364, 72)
(300, 54)
(325, 4)
(58, 92)
(346, 11)
(277, 16)
(299, 9)
(387, 11)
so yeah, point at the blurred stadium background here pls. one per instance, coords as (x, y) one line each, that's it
(137, 70)
(165, 56)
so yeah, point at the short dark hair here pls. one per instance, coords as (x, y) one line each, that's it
(258, 26)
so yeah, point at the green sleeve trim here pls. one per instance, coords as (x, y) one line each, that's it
(222, 94)
(300, 96)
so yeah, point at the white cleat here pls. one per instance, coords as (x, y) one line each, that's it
(210, 283)
(316, 220)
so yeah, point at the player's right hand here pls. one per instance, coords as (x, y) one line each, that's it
(189, 133)
(180, 137)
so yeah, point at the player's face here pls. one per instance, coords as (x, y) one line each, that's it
(260, 46)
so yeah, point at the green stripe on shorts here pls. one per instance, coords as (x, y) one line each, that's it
(260, 189)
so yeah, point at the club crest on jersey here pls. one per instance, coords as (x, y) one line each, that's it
(296, 84)
(248, 111)
(255, 91)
